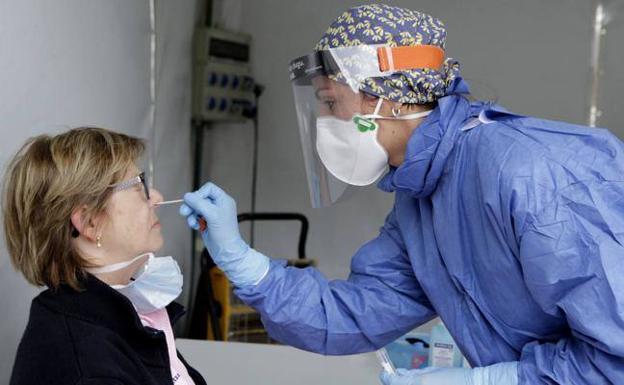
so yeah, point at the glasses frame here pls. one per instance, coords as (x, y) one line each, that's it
(141, 178)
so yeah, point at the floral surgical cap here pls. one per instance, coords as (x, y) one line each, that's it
(393, 26)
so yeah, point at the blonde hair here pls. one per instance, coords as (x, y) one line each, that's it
(46, 181)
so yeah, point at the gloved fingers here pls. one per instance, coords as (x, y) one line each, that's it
(420, 372)
(191, 216)
(398, 379)
(200, 205)
(408, 376)
(213, 192)
(386, 378)
(192, 222)
(185, 210)
(390, 379)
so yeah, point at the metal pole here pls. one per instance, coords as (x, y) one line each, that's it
(152, 106)
(599, 30)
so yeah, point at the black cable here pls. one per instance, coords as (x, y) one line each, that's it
(206, 288)
(258, 89)
(197, 137)
(208, 15)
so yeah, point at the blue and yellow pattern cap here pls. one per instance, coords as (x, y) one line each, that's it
(379, 24)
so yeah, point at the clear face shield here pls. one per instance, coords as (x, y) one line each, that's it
(337, 125)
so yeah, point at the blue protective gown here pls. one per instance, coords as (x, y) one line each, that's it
(510, 228)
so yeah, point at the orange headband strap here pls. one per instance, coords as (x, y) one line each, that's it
(410, 57)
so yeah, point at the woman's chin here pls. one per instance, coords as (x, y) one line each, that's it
(159, 245)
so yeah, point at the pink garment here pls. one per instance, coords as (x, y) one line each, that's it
(159, 319)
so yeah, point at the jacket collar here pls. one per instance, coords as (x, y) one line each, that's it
(100, 304)
(432, 142)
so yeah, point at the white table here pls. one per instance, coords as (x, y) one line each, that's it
(235, 363)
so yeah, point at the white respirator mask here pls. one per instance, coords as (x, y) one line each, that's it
(153, 286)
(349, 148)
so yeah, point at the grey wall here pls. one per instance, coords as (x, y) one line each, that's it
(533, 55)
(77, 62)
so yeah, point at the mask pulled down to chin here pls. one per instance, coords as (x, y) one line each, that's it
(153, 286)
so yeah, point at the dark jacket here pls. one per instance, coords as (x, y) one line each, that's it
(92, 337)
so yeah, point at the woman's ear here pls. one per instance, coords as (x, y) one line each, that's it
(84, 226)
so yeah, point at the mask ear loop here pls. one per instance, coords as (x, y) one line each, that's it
(415, 115)
(375, 115)
(117, 266)
(377, 109)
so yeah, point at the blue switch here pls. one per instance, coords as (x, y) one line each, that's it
(223, 105)
(213, 79)
(224, 80)
(212, 103)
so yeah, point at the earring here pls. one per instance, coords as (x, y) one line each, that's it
(98, 241)
(396, 113)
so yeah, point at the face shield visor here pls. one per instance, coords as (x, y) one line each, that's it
(337, 125)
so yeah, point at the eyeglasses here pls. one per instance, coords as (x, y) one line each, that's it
(133, 182)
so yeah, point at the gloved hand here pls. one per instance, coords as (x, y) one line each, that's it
(428, 376)
(505, 373)
(241, 264)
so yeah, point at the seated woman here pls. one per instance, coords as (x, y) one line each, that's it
(80, 219)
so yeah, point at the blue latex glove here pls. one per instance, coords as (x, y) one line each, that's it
(505, 373)
(243, 265)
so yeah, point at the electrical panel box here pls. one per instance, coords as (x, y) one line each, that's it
(223, 88)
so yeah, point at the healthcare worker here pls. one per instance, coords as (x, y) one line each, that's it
(509, 228)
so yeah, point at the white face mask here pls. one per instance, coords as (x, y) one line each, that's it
(155, 285)
(350, 150)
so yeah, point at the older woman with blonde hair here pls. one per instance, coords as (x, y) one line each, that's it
(80, 219)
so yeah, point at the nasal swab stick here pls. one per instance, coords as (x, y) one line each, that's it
(169, 202)
(202, 221)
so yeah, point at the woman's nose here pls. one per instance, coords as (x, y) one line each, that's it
(155, 196)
